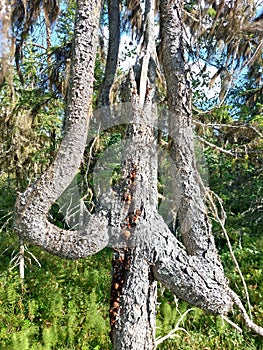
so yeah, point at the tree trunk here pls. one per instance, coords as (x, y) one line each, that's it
(133, 292)
(134, 289)
(133, 301)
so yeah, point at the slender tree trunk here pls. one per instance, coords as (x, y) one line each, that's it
(113, 51)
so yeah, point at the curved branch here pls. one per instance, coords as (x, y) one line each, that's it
(198, 277)
(33, 225)
(32, 206)
(196, 280)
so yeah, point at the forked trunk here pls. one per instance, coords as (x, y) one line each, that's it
(145, 248)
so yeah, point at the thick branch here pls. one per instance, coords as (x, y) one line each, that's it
(33, 225)
(197, 278)
(193, 279)
(33, 205)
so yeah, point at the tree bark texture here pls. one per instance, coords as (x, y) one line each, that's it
(31, 214)
(194, 226)
(134, 288)
(133, 301)
(133, 292)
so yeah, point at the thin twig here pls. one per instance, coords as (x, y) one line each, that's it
(231, 323)
(175, 329)
(230, 126)
(259, 47)
(249, 323)
(33, 256)
(7, 221)
(221, 222)
(40, 46)
(220, 149)
(191, 16)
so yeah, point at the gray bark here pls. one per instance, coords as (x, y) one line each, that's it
(31, 212)
(133, 301)
(133, 293)
(152, 250)
(191, 278)
(194, 225)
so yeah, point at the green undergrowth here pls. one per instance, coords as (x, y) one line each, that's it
(64, 304)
